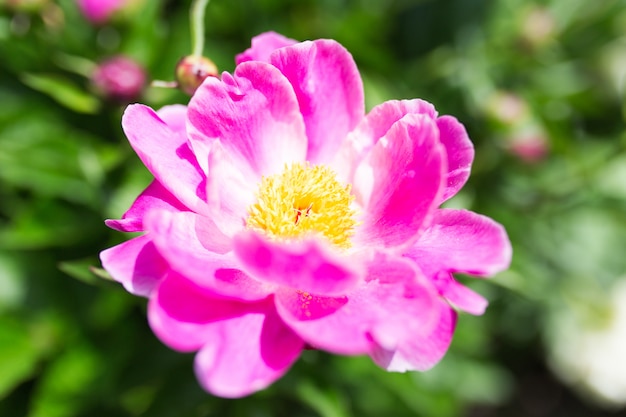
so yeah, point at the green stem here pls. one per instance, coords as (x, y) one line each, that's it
(197, 25)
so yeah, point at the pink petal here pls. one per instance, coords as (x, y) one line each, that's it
(246, 354)
(197, 249)
(462, 241)
(229, 193)
(464, 298)
(165, 153)
(329, 90)
(421, 352)
(400, 182)
(136, 264)
(460, 151)
(262, 47)
(254, 114)
(305, 265)
(393, 303)
(155, 196)
(181, 313)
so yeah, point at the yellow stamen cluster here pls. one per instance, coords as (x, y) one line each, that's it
(304, 199)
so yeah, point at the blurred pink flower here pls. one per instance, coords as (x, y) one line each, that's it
(119, 78)
(281, 216)
(99, 11)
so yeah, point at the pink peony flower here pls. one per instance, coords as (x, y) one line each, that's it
(119, 79)
(99, 11)
(282, 217)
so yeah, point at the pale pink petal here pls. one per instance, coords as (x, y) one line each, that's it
(155, 196)
(329, 90)
(229, 192)
(246, 354)
(262, 47)
(462, 241)
(166, 154)
(181, 313)
(400, 182)
(197, 249)
(393, 303)
(306, 265)
(175, 116)
(421, 352)
(460, 151)
(136, 264)
(254, 114)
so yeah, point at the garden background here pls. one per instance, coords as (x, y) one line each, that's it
(539, 86)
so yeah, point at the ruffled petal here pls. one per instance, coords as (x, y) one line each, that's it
(262, 47)
(246, 354)
(136, 264)
(197, 249)
(181, 313)
(329, 90)
(462, 241)
(393, 303)
(460, 152)
(254, 114)
(420, 352)
(400, 182)
(155, 196)
(305, 265)
(166, 154)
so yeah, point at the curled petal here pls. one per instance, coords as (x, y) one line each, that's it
(400, 182)
(462, 241)
(262, 47)
(305, 265)
(460, 152)
(155, 196)
(421, 352)
(136, 264)
(246, 354)
(182, 313)
(464, 298)
(197, 249)
(329, 91)
(166, 154)
(254, 114)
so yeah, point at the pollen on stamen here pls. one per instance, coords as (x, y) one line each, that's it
(302, 200)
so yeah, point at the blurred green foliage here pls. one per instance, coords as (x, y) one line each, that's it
(539, 86)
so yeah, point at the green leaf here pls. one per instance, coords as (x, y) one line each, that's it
(63, 91)
(18, 355)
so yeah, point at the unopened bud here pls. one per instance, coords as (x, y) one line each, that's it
(192, 70)
(119, 79)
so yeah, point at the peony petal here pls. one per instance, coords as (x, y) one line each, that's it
(462, 241)
(329, 90)
(136, 264)
(175, 117)
(165, 153)
(246, 354)
(460, 151)
(262, 47)
(421, 352)
(393, 303)
(197, 249)
(464, 298)
(305, 265)
(229, 192)
(182, 313)
(155, 196)
(254, 114)
(400, 182)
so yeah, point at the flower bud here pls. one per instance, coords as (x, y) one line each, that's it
(192, 70)
(119, 79)
(99, 11)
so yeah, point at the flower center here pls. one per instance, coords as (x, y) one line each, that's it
(304, 199)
